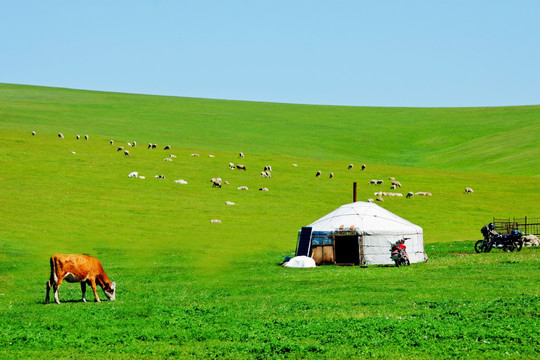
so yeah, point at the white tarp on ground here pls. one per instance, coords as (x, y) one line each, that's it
(300, 262)
(380, 229)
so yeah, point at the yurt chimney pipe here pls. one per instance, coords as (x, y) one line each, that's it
(354, 192)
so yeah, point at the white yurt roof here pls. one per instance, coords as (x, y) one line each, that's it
(367, 218)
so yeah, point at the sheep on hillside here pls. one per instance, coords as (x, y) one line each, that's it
(350, 166)
(167, 147)
(241, 167)
(364, 166)
(216, 182)
(85, 137)
(318, 173)
(468, 190)
(60, 135)
(33, 133)
(126, 153)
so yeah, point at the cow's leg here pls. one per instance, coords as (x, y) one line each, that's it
(48, 290)
(83, 289)
(56, 285)
(93, 285)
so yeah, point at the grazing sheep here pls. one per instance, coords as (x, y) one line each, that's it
(154, 146)
(241, 167)
(215, 221)
(78, 137)
(372, 182)
(226, 182)
(160, 176)
(364, 166)
(379, 198)
(423, 193)
(180, 181)
(380, 182)
(216, 182)
(396, 183)
(126, 153)
(410, 194)
(129, 144)
(391, 178)
(149, 145)
(268, 168)
(60, 135)
(331, 175)
(242, 188)
(530, 240)
(121, 148)
(295, 165)
(172, 155)
(229, 203)
(85, 137)
(142, 177)
(231, 166)
(393, 187)
(265, 174)
(195, 155)
(167, 147)
(133, 174)
(468, 190)
(134, 144)
(263, 189)
(318, 173)
(370, 200)
(167, 159)
(241, 155)
(74, 153)
(211, 156)
(33, 133)
(350, 166)
(111, 142)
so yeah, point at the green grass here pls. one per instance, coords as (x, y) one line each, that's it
(191, 289)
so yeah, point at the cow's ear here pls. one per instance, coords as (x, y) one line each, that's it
(113, 286)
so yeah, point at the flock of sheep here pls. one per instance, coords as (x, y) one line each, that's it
(265, 173)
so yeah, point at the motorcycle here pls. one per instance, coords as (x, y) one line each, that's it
(399, 255)
(507, 242)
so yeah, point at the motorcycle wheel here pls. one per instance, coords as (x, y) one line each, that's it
(488, 247)
(479, 247)
(518, 244)
(397, 263)
(408, 263)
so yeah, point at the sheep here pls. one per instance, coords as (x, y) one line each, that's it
(149, 145)
(142, 177)
(241, 155)
(111, 142)
(295, 165)
(74, 153)
(268, 168)
(167, 159)
(265, 174)
(85, 137)
(396, 183)
(129, 144)
(380, 182)
(364, 166)
(370, 200)
(391, 178)
(121, 148)
(530, 240)
(350, 166)
(160, 176)
(180, 181)
(211, 156)
(154, 146)
(195, 155)
(216, 182)
(241, 167)
(263, 189)
(134, 144)
(318, 173)
(126, 153)
(242, 188)
(215, 221)
(231, 166)
(229, 203)
(78, 137)
(172, 156)
(167, 147)
(226, 182)
(331, 175)
(410, 194)
(468, 190)
(60, 135)
(33, 133)
(372, 182)
(393, 187)
(423, 193)
(133, 174)
(379, 198)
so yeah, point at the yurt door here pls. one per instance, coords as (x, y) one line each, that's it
(346, 248)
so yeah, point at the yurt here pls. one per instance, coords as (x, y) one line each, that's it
(360, 233)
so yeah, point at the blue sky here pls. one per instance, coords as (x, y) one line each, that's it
(360, 53)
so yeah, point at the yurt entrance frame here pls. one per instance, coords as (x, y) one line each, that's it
(348, 247)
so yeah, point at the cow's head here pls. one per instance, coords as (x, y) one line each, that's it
(111, 292)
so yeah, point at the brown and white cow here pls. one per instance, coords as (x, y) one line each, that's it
(84, 269)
